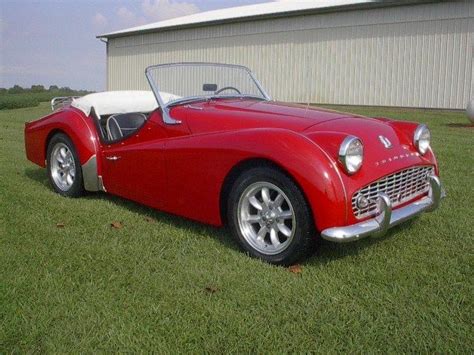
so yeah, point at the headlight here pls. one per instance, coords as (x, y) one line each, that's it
(351, 154)
(422, 138)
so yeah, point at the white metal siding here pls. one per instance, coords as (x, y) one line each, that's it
(413, 56)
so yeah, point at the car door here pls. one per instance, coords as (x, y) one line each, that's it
(134, 168)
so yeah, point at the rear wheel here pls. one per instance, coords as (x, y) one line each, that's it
(269, 216)
(64, 168)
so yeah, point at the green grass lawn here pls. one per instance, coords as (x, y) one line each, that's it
(167, 284)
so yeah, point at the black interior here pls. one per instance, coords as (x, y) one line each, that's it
(113, 128)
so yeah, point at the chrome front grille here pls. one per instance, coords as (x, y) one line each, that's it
(399, 187)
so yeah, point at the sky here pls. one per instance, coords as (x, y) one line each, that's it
(52, 42)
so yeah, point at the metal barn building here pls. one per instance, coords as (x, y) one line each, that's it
(380, 53)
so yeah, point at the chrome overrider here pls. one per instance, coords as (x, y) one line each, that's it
(386, 217)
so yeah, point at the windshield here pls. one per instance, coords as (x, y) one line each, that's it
(184, 82)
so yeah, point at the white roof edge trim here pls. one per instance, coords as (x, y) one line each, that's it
(112, 102)
(242, 12)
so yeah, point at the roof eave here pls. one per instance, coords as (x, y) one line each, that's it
(267, 16)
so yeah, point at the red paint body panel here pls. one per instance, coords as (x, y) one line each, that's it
(199, 164)
(140, 174)
(237, 114)
(70, 121)
(181, 168)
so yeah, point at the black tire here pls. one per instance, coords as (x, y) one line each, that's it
(76, 189)
(304, 237)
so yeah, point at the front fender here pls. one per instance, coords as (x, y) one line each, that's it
(207, 159)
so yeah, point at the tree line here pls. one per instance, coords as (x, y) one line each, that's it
(17, 89)
(19, 97)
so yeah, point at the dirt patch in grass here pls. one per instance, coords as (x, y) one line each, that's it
(461, 125)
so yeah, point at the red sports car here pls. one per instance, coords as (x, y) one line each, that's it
(209, 144)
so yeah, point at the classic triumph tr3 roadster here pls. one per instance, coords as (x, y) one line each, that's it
(208, 143)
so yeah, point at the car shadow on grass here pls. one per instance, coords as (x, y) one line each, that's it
(195, 227)
(39, 175)
(325, 252)
(329, 251)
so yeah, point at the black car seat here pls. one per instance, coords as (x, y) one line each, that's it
(123, 125)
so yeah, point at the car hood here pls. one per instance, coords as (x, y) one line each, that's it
(233, 114)
(387, 147)
(326, 128)
(369, 130)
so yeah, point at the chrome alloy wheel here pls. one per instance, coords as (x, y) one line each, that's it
(63, 167)
(266, 218)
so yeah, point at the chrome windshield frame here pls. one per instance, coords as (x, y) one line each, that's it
(165, 107)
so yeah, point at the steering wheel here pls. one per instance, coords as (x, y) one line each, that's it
(227, 88)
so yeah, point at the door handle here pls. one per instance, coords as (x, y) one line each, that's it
(113, 157)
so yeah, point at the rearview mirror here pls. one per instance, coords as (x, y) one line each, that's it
(209, 87)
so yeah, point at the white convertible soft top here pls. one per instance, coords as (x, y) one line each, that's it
(111, 102)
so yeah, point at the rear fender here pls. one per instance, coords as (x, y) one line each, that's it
(78, 128)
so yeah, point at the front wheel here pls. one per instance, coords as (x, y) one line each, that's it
(64, 168)
(269, 216)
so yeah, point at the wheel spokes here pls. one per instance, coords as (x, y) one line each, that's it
(274, 237)
(266, 218)
(285, 214)
(266, 196)
(63, 168)
(278, 201)
(261, 235)
(284, 229)
(255, 203)
(63, 152)
(253, 219)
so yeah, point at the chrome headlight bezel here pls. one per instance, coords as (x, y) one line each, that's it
(351, 154)
(422, 139)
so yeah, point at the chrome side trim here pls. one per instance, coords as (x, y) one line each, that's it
(101, 184)
(89, 175)
(387, 217)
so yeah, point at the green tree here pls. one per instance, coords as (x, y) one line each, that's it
(37, 88)
(16, 89)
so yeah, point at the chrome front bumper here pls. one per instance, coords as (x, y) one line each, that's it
(386, 217)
